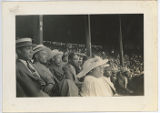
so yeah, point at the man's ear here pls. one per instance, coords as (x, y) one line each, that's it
(18, 51)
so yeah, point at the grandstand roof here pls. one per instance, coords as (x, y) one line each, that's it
(72, 29)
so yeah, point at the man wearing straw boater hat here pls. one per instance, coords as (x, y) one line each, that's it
(28, 81)
(95, 83)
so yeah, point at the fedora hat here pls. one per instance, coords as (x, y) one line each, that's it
(22, 42)
(91, 64)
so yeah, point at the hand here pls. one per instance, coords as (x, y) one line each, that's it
(48, 88)
(116, 95)
(79, 84)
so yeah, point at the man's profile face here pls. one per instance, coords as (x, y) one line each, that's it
(80, 60)
(26, 53)
(75, 60)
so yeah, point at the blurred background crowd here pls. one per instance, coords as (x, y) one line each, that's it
(133, 67)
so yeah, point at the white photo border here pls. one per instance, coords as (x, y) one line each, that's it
(148, 102)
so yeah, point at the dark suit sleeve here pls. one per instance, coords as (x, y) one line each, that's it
(19, 90)
(26, 85)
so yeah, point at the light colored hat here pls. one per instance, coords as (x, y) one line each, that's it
(91, 64)
(23, 42)
(40, 47)
(80, 54)
(56, 52)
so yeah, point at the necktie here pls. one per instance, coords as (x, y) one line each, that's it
(35, 73)
(31, 68)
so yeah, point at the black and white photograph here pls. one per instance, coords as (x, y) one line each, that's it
(89, 55)
(80, 56)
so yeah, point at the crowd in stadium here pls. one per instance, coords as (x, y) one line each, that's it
(58, 70)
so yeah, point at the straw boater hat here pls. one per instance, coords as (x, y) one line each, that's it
(22, 42)
(91, 64)
(40, 47)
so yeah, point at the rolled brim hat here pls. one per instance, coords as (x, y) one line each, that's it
(91, 64)
(39, 48)
(22, 42)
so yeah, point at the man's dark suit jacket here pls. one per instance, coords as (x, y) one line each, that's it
(27, 85)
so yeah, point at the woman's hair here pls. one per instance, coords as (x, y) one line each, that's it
(35, 57)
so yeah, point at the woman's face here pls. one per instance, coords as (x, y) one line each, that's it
(43, 57)
(58, 59)
(98, 71)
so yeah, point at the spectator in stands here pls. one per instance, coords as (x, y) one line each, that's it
(95, 83)
(81, 58)
(65, 57)
(121, 84)
(70, 87)
(73, 60)
(56, 66)
(134, 62)
(41, 55)
(29, 83)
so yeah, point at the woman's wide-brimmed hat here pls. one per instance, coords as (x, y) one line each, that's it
(91, 64)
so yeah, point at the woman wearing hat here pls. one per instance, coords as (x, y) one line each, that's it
(67, 87)
(56, 65)
(95, 83)
(41, 56)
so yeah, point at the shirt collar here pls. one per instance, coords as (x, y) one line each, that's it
(23, 61)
